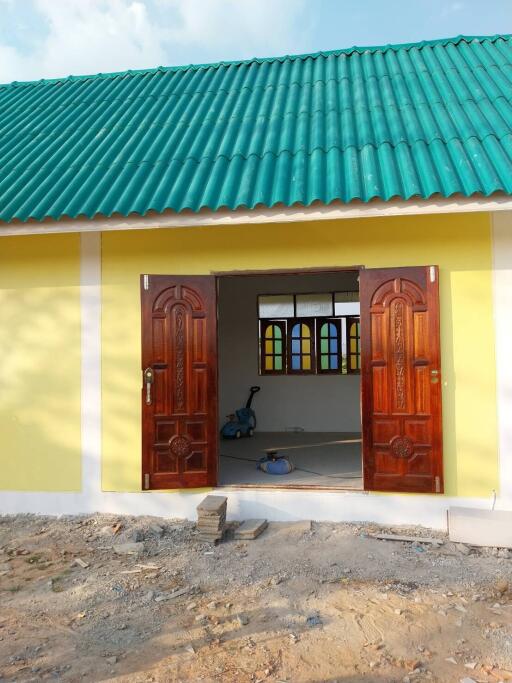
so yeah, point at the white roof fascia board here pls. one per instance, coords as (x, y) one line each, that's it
(317, 212)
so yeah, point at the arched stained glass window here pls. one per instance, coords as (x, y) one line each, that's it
(303, 333)
(273, 347)
(353, 345)
(329, 351)
(301, 347)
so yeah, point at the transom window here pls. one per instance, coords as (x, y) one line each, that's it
(309, 333)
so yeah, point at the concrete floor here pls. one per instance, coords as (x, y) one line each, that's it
(338, 465)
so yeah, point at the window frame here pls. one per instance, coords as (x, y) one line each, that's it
(342, 322)
(350, 320)
(337, 322)
(290, 323)
(263, 325)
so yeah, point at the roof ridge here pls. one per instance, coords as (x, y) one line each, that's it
(261, 60)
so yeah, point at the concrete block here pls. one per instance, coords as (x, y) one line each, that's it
(212, 505)
(250, 529)
(492, 528)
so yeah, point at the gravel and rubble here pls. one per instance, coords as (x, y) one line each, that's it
(103, 597)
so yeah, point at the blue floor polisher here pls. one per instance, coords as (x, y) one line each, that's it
(275, 463)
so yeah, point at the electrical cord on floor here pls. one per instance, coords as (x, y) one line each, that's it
(300, 469)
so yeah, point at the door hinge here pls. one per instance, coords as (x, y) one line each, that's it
(432, 273)
(438, 484)
(146, 282)
(146, 481)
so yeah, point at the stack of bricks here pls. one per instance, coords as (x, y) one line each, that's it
(211, 518)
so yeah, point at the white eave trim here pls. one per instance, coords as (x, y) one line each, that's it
(317, 212)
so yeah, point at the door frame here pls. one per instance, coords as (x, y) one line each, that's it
(288, 271)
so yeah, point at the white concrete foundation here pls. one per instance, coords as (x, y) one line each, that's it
(274, 505)
(492, 528)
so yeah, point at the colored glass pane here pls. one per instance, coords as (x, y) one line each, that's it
(334, 362)
(295, 362)
(324, 346)
(277, 332)
(268, 346)
(295, 345)
(306, 346)
(268, 363)
(324, 330)
(296, 331)
(306, 363)
(353, 346)
(333, 345)
(305, 330)
(324, 362)
(332, 330)
(278, 347)
(278, 363)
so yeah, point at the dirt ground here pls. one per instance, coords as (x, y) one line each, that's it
(303, 602)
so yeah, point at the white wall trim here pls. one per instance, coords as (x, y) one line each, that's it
(502, 283)
(281, 214)
(90, 302)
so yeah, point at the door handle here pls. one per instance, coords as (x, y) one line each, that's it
(149, 378)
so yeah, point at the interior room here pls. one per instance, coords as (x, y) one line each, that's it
(297, 338)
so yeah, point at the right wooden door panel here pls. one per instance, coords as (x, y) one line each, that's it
(401, 381)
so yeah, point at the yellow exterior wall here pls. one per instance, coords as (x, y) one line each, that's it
(460, 244)
(40, 363)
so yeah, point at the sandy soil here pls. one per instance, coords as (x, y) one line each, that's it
(320, 602)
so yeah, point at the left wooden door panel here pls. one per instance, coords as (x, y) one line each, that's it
(179, 374)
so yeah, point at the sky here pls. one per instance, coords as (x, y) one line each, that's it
(53, 38)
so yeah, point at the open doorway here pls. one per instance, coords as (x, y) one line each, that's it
(305, 394)
(297, 337)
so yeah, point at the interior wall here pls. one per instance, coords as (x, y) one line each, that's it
(322, 403)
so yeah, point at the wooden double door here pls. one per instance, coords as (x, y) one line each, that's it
(400, 380)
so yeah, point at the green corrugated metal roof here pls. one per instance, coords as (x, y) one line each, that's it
(395, 121)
